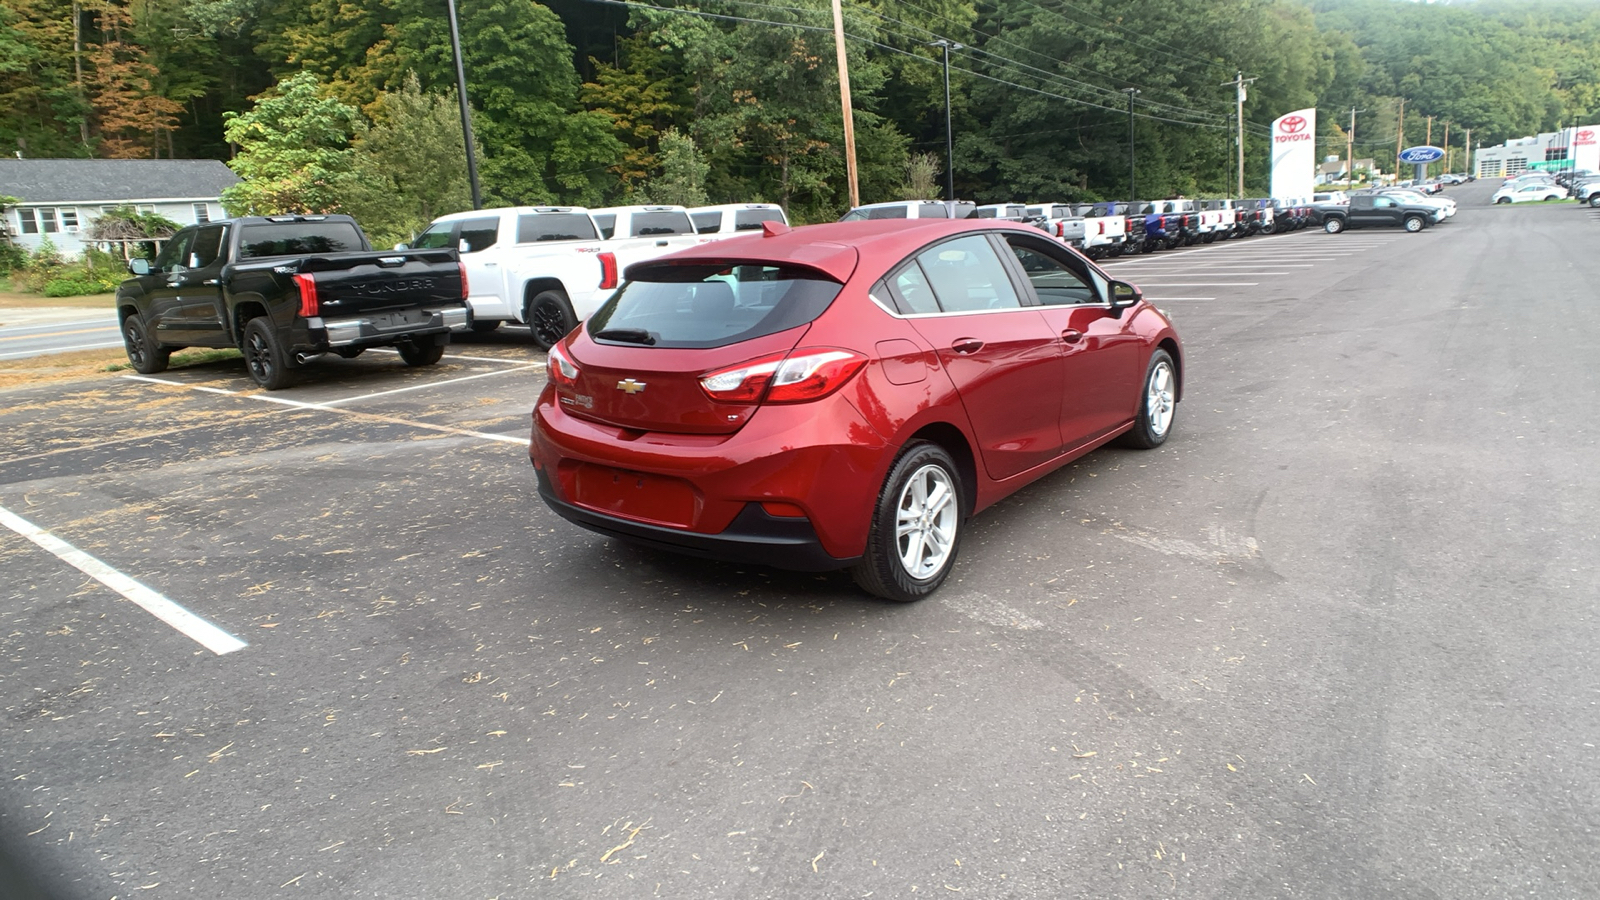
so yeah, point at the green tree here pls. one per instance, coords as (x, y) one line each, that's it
(683, 173)
(410, 165)
(295, 151)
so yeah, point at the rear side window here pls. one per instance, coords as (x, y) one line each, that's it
(707, 222)
(297, 239)
(555, 227)
(649, 224)
(751, 219)
(967, 276)
(607, 223)
(711, 305)
(479, 234)
(932, 211)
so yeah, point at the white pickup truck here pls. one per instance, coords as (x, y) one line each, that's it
(729, 219)
(1104, 230)
(550, 267)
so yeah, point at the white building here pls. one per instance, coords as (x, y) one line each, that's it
(60, 197)
(1577, 147)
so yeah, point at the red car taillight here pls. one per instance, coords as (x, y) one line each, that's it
(802, 375)
(608, 271)
(309, 306)
(560, 370)
(1061, 230)
(463, 267)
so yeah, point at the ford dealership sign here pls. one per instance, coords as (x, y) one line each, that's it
(1420, 155)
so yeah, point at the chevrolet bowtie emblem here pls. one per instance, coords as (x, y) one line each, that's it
(630, 386)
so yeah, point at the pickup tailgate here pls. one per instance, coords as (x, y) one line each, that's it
(378, 282)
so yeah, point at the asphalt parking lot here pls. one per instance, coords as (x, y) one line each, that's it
(1337, 638)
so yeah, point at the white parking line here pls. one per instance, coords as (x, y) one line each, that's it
(187, 623)
(1204, 284)
(418, 387)
(300, 404)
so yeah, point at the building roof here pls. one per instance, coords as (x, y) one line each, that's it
(94, 181)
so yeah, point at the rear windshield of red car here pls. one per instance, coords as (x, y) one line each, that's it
(710, 305)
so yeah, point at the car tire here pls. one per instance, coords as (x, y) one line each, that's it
(484, 326)
(1333, 225)
(1594, 200)
(1158, 404)
(1415, 224)
(1504, 200)
(420, 354)
(550, 318)
(923, 497)
(1269, 228)
(264, 356)
(144, 354)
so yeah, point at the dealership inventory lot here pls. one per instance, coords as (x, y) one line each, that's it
(1334, 639)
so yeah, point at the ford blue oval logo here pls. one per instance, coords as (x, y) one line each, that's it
(1421, 155)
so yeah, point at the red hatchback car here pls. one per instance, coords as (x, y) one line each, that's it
(846, 395)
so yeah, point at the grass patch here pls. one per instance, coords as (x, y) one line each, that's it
(182, 358)
(89, 364)
(17, 300)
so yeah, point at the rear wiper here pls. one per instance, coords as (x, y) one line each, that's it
(627, 335)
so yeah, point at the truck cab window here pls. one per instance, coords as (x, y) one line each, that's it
(175, 253)
(478, 234)
(435, 237)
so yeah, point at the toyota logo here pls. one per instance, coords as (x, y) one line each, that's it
(1292, 124)
(1585, 136)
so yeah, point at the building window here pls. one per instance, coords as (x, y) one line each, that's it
(30, 225)
(69, 218)
(202, 213)
(1516, 165)
(47, 220)
(1554, 153)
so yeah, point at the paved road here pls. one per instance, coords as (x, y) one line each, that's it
(25, 333)
(1336, 639)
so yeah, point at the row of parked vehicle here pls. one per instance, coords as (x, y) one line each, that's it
(1112, 229)
(1581, 184)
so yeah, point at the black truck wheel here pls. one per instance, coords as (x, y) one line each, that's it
(420, 351)
(264, 356)
(144, 354)
(1414, 224)
(550, 317)
(1334, 225)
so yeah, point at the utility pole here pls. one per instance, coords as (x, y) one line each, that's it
(1239, 82)
(466, 116)
(844, 104)
(1131, 92)
(1467, 145)
(1350, 149)
(1399, 138)
(1446, 148)
(949, 138)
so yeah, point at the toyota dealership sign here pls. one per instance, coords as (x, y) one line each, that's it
(1294, 154)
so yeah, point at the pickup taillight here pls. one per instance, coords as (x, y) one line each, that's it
(1061, 230)
(307, 284)
(463, 267)
(1102, 227)
(608, 270)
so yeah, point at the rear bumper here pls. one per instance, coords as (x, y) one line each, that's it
(752, 537)
(379, 329)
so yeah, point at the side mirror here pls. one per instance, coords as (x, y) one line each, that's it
(402, 246)
(1124, 295)
(139, 266)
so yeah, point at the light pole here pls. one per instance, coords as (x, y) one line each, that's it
(466, 116)
(1131, 92)
(949, 135)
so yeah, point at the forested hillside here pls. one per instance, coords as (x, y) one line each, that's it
(597, 101)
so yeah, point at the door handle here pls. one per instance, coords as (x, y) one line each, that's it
(661, 243)
(967, 345)
(490, 265)
(173, 284)
(1072, 336)
(212, 281)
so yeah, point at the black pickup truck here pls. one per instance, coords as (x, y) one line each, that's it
(286, 290)
(1378, 210)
